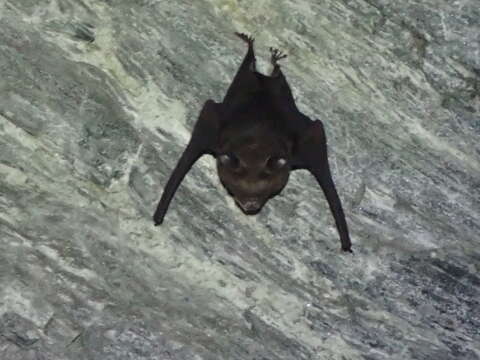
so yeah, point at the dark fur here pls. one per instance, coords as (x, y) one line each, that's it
(258, 136)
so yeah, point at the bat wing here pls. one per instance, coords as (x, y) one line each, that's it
(311, 154)
(203, 141)
(310, 151)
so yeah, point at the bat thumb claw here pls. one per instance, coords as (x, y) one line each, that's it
(348, 250)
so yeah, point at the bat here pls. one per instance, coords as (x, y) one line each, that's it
(257, 136)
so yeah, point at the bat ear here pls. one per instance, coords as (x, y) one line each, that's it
(203, 141)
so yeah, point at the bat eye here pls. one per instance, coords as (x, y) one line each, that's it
(276, 162)
(228, 160)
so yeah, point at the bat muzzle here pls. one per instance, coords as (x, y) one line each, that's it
(249, 206)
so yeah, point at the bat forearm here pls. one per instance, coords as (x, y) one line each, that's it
(328, 187)
(202, 141)
(188, 158)
(341, 223)
(164, 202)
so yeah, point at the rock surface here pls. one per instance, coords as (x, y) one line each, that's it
(97, 100)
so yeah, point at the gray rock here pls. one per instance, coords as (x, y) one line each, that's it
(97, 101)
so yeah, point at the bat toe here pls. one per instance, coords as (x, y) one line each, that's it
(247, 38)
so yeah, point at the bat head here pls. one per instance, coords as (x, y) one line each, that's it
(253, 172)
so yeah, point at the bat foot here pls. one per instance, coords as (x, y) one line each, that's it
(247, 38)
(276, 55)
(347, 250)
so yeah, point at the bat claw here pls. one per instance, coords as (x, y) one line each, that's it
(276, 55)
(247, 38)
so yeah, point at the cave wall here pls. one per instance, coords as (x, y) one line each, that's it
(97, 101)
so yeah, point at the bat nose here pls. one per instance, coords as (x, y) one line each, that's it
(249, 206)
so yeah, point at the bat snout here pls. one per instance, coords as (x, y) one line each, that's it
(249, 206)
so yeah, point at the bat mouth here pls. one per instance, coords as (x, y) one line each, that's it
(249, 206)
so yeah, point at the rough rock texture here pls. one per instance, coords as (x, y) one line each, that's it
(97, 100)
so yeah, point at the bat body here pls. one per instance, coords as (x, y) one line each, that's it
(258, 136)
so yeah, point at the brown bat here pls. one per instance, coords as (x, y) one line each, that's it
(258, 136)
